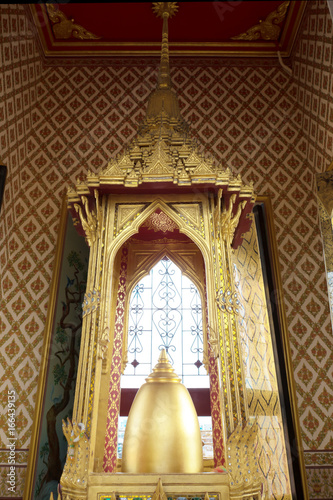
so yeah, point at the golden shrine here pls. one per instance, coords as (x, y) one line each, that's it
(161, 197)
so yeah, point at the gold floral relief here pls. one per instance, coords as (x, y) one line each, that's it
(64, 28)
(267, 29)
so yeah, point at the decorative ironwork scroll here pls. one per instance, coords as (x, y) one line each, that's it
(165, 313)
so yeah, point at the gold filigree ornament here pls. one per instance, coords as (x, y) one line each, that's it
(91, 302)
(228, 301)
(267, 29)
(64, 28)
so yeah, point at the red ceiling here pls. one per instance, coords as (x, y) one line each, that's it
(198, 28)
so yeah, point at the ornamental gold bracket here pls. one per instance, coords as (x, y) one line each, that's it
(103, 343)
(76, 466)
(213, 342)
(267, 29)
(64, 28)
(225, 223)
(92, 223)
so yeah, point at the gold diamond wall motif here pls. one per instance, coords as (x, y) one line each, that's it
(259, 367)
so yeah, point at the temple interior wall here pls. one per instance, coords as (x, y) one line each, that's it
(276, 130)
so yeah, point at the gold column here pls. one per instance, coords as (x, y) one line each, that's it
(224, 223)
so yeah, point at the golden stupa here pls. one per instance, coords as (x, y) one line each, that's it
(162, 432)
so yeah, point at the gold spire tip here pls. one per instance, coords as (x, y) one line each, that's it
(163, 357)
(165, 8)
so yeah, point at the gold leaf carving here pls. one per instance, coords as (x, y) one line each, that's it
(159, 161)
(267, 29)
(113, 169)
(225, 223)
(159, 492)
(64, 28)
(103, 343)
(126, 213)
(189, 211)
(92, 222)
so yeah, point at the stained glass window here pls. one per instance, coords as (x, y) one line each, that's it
(165, 312)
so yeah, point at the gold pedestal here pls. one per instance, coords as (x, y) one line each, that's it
(104, 486)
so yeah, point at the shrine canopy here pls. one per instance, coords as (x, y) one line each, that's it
(163, 158)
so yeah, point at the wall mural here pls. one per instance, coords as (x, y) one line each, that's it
(63, 351)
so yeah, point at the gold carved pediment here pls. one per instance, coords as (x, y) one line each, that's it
(127, 213)
(191, 213)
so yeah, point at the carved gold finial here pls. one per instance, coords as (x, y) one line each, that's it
(64, 28)
(267, 29)
(163, 371)
(164, 10)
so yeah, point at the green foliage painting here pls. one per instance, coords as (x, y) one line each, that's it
(62, 365)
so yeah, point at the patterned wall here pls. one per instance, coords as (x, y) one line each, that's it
(24, 277)
(313, 362)
(273, 129)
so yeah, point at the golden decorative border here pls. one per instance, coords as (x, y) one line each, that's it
(156, 51)
(33, 447)
(276, 271)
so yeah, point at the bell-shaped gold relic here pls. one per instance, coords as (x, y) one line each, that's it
(162, 433)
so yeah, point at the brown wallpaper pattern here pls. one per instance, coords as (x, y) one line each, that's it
(312, 66)
(272, 129)
(21, 327)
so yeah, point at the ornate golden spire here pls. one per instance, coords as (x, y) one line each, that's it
(164, 10)
(163, 103)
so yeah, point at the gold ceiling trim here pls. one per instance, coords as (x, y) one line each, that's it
(239, 51)
(183, 53)
(64, 28)
(267, 29)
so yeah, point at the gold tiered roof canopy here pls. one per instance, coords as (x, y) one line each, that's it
(163, 157)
